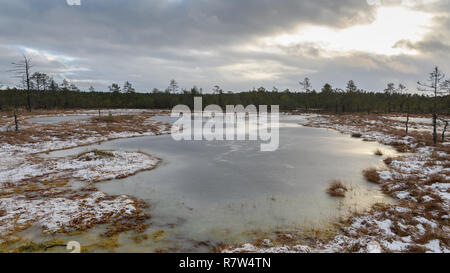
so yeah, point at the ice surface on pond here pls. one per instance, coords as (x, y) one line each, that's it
(221, 190)
(56, 119)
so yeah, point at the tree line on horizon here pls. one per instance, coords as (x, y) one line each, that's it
(40, 91)
(329, 99)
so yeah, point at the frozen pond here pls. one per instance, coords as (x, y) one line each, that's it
(86, 114)
(57, 119)
(227, 190)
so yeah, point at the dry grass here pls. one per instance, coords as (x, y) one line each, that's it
(438, 157)
(378, 152)
(140, 238)
(337, 189)
(432, 234)
(416, 249)
(356, 135)
(436, 178)
(400, 147)
(388, 161)
(372, 175)
(108, 119)
(27, 246)
(97, 153)
(80, 130)
(108, 244)
(102, 153)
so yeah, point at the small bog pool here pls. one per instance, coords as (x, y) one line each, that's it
(231, 191)
(57, 119)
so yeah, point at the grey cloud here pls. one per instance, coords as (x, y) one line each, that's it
(169, 23)
(150, 42)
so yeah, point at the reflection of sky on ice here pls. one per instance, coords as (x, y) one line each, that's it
(233, 127)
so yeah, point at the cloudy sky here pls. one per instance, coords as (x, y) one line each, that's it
(237, 44)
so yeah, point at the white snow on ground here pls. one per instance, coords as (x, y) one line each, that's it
(249, 248)
(117, 111)
(383, 240)
(103, 112)
(413, 120)
(99, 168)
(53, 214)
(74, 141)
(20, 165)
(89, 167)
(16, 160)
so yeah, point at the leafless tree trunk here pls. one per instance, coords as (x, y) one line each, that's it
(16, 121)
(407, 122)
(403, 90)
(22, 70)
(436, 85)
(445, 128)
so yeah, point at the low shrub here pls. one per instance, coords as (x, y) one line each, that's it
(372, 175)
(337, 189)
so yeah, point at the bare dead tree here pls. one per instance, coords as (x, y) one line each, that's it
(306, 85)
(446, 87)
(217, 90)
(445, 128)
(16, 122)
(22, 70)
(436, 85)
(404, 91)
(173, 87)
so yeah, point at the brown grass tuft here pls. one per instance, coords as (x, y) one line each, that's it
(337, 189)
(388, 161)
(378, 152)
(107, 119)
(102, 153)
(372, 175)
(416, 249)
(435, 178)
(400, 147)
(432, 234)
(356, 135)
